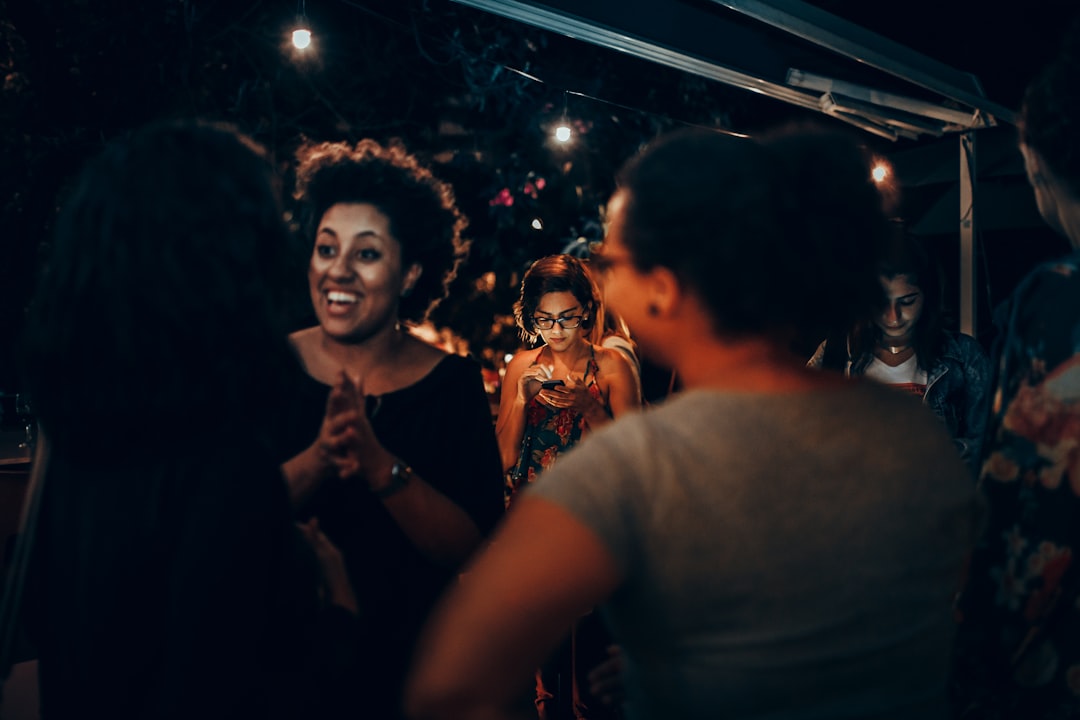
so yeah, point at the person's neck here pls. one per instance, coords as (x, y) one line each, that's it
(362, 359)
(892, 346)
(895, 345)
(746, 364)
(567, 360)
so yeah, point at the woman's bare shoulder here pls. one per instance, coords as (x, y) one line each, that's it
(611, 360)
(524, 358)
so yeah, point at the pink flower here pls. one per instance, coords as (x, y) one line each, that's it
(564, 424)
(503, 197)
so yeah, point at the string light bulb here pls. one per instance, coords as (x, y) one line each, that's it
(880, 172)
(563, 132)
(301, 36)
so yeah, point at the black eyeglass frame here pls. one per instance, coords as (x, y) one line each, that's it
(547, 323)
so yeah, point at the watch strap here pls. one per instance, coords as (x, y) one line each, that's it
(400, 475)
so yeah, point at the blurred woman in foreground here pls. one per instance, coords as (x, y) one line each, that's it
(764, 543)
(167, 578)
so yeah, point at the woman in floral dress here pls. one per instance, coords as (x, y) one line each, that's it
(558, 305)
(553, 395)
(1018, 640)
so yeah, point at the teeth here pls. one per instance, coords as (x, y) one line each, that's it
(340, 297)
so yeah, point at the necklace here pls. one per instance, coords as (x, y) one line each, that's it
(896, 350)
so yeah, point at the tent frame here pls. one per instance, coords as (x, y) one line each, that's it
(882, 113)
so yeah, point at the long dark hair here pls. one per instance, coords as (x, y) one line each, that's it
(906, 254)
(156, 317)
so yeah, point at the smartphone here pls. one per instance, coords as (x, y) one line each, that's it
(548, 384)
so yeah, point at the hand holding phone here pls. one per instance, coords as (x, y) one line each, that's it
(549, 384)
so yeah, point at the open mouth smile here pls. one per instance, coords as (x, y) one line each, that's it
(341, 297)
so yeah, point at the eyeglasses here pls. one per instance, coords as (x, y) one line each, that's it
(567, 323)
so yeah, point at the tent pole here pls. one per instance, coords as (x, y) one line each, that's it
(968, 320)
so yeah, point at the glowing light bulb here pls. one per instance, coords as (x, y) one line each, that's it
(537, 224)
(562, 133)
(301, 38)
(879, 173)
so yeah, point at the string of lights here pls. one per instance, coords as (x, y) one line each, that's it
(302, 40)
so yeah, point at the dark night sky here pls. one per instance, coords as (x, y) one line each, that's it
(77, 72)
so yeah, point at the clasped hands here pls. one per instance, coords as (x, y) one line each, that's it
(347, 443)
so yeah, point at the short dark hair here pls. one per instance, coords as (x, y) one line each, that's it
(758, 226)
(424, 217)
(1049, 120)
(552, 274)
(156, 316)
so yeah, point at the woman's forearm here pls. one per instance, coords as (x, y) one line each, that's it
(304, 473)
(437, 526)
(509, 430)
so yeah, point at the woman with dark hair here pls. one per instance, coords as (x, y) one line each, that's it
(167, 579)
(391, 442)
(763, 544)
(552, 396)
(566, 386)
(905, 345)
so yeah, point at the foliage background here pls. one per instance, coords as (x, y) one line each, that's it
(474, 95)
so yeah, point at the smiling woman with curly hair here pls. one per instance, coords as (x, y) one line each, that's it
(390, 438)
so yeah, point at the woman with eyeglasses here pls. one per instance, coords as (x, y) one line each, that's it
(552, 396)
(554, 393)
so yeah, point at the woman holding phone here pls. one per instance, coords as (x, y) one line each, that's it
(552, 395)
(555, 392)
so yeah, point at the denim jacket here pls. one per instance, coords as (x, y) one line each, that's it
(957, 390)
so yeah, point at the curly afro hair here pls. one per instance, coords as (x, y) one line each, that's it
(423, 215)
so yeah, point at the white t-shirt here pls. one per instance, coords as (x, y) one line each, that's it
(905, 376)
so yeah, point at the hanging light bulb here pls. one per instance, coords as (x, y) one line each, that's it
(563, 132)
(301, 36)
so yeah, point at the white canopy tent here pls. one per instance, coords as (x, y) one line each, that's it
(800, 55)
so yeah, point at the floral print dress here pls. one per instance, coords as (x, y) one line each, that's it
(1018, 642)
(548, 432)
